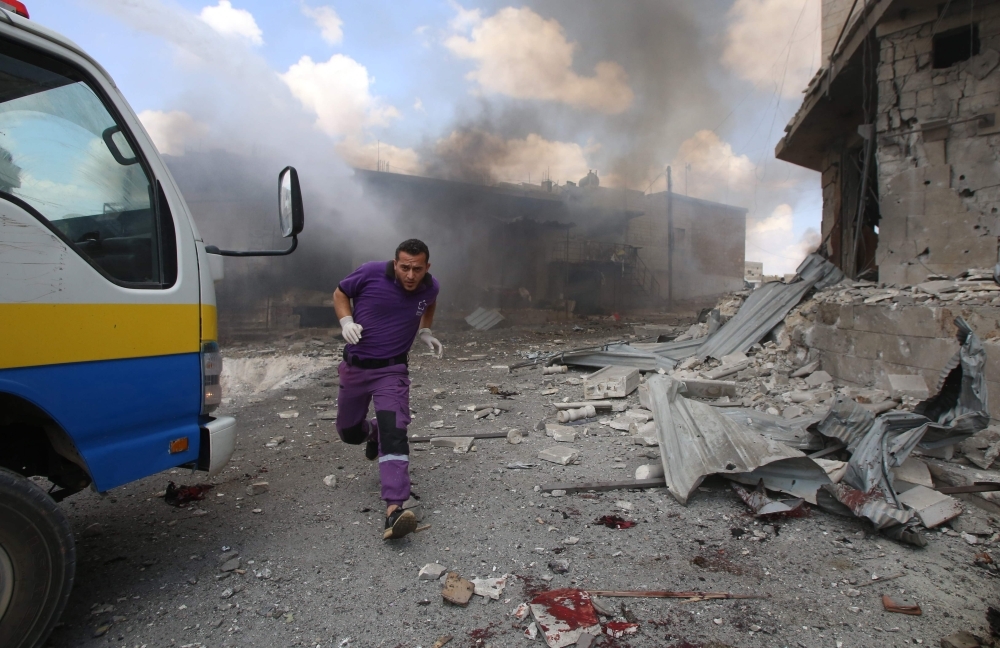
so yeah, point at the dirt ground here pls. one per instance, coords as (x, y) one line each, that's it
(314, 571)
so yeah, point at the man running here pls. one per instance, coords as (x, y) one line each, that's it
(393, 305)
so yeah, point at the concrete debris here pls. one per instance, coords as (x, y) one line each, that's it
(567, 415)
(514, 436)
(330, 480)
(559, 455)
(563, 615)
(554, 369)
(694, 388)
(960, 639)
(564, 436)
(913, 386)
(431, 571)
(610, 382)
(817, 378)
(257, 488)
(288, 414)
(459, 444)
(933, 508)
(457, 590)
(599, 404)
(649, 471)
(552, 428)
(490, 587)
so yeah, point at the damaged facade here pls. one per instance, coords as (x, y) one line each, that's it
(902, 123)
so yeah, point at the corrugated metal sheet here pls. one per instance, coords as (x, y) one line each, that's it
(767, 306)
(794, 432)
(847, 421)
(618, 355)
(483, 320)
(696, 440)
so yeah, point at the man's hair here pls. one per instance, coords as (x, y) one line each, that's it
(414, 247)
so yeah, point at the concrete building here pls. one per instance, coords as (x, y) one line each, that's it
(753, 272)
(583, 249)
(902, 123)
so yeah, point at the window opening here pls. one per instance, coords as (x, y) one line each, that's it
(955, 45)
(64, 156)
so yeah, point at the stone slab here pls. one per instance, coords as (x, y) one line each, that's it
(562, 456)
(933, 508)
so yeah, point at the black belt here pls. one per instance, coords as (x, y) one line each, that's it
(375, 363)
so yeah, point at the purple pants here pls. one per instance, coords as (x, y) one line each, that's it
(389, 387)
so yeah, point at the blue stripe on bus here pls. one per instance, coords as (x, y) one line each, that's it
(120, 414)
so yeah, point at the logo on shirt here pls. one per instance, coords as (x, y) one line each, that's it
(421, 307)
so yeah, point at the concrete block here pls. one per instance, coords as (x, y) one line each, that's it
(694, 388)
(644, 397)
(908, 385)
(562, 456)
(610, 382)
(564, 437)
(552, 428)
(933, 508)
(734, 358)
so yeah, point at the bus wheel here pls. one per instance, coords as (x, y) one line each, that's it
(37, 562)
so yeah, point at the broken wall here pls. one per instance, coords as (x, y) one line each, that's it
(938, 171)
(861, 344)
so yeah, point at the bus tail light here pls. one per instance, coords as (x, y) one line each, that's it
(211, 374)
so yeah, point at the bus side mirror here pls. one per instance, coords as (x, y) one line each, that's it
(290, 213)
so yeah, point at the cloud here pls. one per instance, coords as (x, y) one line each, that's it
(480, 156)
(328, 21)
(774, 40)
(338, 92)
(772, 240)
(522, 55)
(172, 131)
(418, 105)
(715, 173)
(228, 21)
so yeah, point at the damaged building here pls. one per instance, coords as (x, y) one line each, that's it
(578, 249)
(902, 124)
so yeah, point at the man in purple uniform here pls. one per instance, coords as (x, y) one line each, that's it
(393, 304)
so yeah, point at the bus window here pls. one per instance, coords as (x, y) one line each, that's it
(65, 156)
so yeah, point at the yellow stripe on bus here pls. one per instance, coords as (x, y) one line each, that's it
(209, 323)
(42, 334)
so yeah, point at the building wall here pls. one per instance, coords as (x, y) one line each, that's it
(709, 242)
(939, 189)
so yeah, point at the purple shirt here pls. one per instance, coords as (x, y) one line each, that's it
(389, 314)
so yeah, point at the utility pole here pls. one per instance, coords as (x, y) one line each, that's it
(670, 241)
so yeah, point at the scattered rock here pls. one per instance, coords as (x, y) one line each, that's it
(257, 488)
(431, 571)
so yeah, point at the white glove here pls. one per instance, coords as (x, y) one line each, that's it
(424, 335)
(350, 330)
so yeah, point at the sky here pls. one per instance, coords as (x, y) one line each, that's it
(482, 90)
